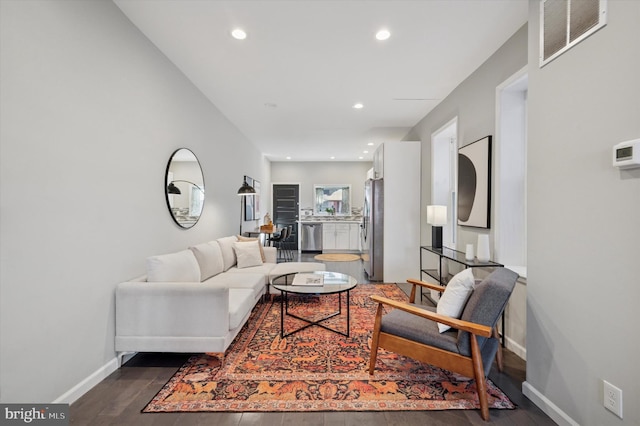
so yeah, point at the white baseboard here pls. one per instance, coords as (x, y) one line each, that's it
(73, 394)
(549, 408)
(516, 348)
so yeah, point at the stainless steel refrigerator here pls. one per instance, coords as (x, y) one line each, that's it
(373, 229)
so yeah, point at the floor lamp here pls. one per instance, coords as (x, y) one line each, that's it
(244, 191)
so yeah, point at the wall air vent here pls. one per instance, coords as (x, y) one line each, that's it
(565, 23)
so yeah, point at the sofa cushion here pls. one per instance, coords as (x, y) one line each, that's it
(174, 267)
(264, 270)
(254, 282)
(455, 296)
(228, 254)
(291, 267)
(247, 254)
(241, 238)
(241, 301)
(209, 257)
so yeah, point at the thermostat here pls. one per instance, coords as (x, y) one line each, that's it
(626, 155)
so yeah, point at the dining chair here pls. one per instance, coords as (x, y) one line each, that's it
(278, 242)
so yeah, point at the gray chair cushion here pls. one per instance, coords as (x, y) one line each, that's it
(486, 304)
(488, 353)
(418, 329)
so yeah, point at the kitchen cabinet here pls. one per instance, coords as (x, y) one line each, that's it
(378, 162)
(340, 237)
(354, 237)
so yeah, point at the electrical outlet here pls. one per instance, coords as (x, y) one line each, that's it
(612, 398)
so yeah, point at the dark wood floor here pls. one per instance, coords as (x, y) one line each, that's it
(119, 399)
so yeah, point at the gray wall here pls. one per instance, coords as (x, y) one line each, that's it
(91, 112)
(583, 220)
(474, 103)
(309, 173)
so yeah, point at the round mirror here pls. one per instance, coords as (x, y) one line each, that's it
(184, 188)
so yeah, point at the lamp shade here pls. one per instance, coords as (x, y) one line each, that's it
(437, 215)
(246, 189)
(172, 189)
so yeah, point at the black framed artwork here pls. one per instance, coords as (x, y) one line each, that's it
(474, 184)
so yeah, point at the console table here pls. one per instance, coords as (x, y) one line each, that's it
(457, 257)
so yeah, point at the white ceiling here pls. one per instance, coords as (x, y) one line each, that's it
(291, 84)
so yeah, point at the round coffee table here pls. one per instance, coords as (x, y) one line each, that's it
(305, 283)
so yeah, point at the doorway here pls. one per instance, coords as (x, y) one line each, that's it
(444, 177)
(286, 202)
(511, 173)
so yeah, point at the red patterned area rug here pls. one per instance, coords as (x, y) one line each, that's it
(315, 369)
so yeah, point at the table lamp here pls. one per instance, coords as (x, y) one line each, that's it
(436, 217)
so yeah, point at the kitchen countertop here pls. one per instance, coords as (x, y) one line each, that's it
(330, 219)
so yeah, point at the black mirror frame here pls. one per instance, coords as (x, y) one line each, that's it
(167, 184)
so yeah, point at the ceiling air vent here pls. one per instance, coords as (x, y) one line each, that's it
(565, 23)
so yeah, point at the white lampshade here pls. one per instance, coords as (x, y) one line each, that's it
(437, 215)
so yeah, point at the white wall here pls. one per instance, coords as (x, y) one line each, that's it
(474, 103)
(309, 173)
(584, 222)
(90, 113)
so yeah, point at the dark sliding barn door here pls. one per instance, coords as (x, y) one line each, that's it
(285, 208)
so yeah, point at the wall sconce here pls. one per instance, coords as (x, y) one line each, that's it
(436, 217)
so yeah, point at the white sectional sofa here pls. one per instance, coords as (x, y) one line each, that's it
(196, 300)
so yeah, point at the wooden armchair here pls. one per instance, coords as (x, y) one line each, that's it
(411, 330)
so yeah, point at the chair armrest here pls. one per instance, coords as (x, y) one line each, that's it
(426, 284)
(412, 297)
(171, 309)
(473, 328)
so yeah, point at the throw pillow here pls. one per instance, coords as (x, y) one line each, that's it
(241, 238)
(455, 296)
(247, 253)
(175, 267)
(209, 258)
(228, 254)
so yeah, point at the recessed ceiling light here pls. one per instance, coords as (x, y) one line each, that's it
(383, 35)
(332, 158)
(358, 106)
(288, 158)
(239, 34)
(365, 152)
(370, 144)
(360, 158)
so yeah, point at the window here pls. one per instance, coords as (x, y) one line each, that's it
(332, 199)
